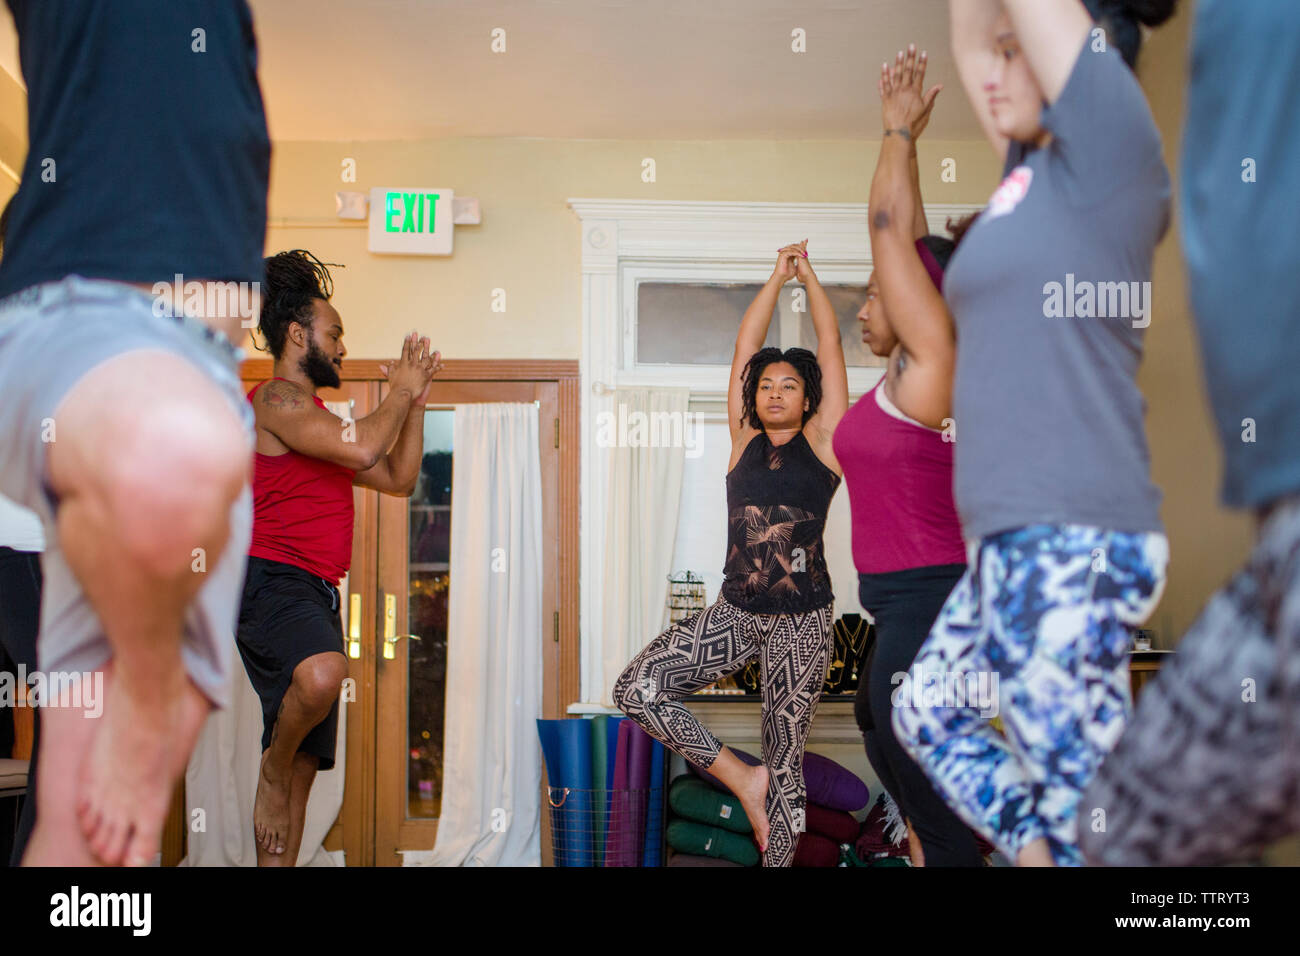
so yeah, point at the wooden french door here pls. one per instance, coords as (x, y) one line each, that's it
(412, 644)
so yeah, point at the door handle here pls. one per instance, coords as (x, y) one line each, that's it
(354, 626)
(391, 637)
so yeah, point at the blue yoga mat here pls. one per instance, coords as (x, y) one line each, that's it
(566, 748)
(654, 832)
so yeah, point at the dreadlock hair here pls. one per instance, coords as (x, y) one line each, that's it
(805, 366)
(294, 279)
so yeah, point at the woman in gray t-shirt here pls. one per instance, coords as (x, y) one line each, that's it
(1050, 293)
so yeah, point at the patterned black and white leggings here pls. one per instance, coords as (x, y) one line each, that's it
(793, 651)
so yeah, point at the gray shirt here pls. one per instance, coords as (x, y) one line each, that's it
(1051, 295)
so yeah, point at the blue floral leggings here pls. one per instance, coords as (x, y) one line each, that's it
(1037, 632)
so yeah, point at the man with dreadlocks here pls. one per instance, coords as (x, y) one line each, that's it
(305, 465)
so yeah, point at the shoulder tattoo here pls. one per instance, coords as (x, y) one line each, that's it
(281, 395)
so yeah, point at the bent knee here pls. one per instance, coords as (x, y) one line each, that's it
(629, 694)
(319, 679)
(151, 424)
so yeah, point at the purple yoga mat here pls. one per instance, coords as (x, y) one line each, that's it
(625, 838)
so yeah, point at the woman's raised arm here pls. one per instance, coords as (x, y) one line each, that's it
(830, 359)
(971, 26)
(917, 311)
(753, 333)
(1051, 35)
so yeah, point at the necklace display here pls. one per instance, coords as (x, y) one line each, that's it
(851, 638)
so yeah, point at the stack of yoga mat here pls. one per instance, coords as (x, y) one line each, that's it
(605, 779)
(707, 825)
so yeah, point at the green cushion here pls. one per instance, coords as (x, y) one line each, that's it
(693, 799)
(700, 840)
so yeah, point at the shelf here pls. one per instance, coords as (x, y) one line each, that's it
(429, 566)
(418, 507)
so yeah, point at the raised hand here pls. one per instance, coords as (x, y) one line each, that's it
(904, 104)
(802, 264)
(787, 261)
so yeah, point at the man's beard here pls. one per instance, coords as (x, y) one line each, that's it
(316, 365)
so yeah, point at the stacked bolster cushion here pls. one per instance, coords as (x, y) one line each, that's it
(695, 800)
(833, 793)
(708, 823)
(815, 850)
(699, 839)
(837, 825)
(826, 831)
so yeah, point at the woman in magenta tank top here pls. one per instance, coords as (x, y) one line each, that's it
(775, 603)
(895, 445)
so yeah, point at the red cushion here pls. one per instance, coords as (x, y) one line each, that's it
(837, 825)
(815, 850)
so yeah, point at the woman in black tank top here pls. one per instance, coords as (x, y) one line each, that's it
(776, 600)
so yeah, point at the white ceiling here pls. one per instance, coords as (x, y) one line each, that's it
(605, 69)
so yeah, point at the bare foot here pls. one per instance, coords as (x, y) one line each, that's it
(1036, 853)
(753, 797)
(271, 810)
(128, 776)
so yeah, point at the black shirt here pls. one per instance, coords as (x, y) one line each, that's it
(148, 152)
(777, 501)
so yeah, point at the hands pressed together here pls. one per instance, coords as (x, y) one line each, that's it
(792, 263)
(415, 370)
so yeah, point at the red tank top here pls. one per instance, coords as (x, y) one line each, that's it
(899, 476)
(302, 511)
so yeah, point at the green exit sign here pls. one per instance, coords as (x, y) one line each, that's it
(411, 221)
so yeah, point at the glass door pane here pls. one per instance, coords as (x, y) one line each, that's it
(429, 581)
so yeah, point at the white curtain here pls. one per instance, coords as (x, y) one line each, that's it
(221, 779)
(492, 763)
(646, 437)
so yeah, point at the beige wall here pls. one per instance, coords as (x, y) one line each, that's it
(1207, 542)
(529, 241)
(528, 244)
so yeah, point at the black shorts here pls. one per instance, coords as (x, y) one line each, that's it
(288, 615)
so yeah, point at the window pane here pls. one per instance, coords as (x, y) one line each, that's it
(694, 323)
(846, 300)
(430, 548)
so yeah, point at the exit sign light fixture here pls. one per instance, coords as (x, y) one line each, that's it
(411, 221)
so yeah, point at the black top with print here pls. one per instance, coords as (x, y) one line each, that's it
(777, 501)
